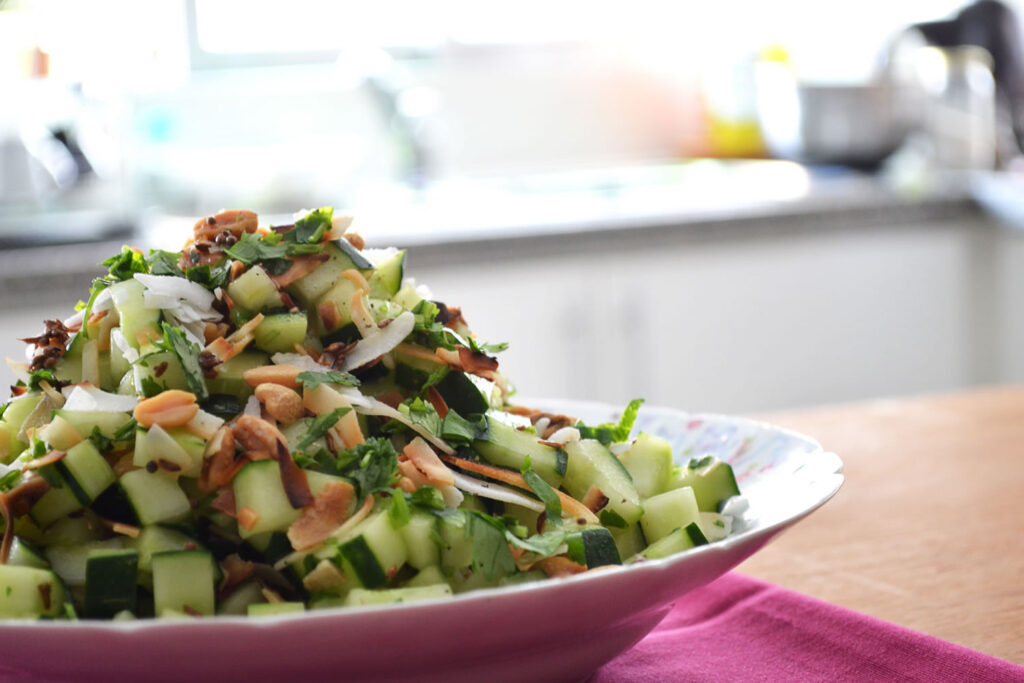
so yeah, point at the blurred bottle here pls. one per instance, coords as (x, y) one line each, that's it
(730, 99)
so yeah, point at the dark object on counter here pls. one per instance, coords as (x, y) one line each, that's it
(991, 25)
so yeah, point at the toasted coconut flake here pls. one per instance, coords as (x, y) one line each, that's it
(427, 462)
(293, 478)
(247, 518)
(300, 268)
(48, 459)
(235, 571)
(340, 532)
(88, 397)
(382, 342)
(330, 509)
(559, 566)
(487, 489)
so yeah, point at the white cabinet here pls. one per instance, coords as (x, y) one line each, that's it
(741, 322)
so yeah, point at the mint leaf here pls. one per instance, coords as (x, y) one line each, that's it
(188, 354)
(210, 277)
(123, 266)
(252, 248)
(547, 495)
(164, 263)
(457, 429)
(544, 545)
(491, 555)
(311, 380)
(608, 432)
(423, 414)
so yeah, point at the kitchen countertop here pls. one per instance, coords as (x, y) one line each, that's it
(926, 532)
(586, 209)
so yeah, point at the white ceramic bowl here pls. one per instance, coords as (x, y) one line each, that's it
(553, 630)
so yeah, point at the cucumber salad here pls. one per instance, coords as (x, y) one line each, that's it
(276, 420)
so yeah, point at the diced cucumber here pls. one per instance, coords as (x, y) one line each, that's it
(55, 504)
(110, 582)
(281, 332)
(24, 554)
(138, 323)
(258, 487)
(70, 560)
(461, 394)
(668, 511)
(428, 576)
(77, 529)
(241, 599)
(155, 539)
(679, 540)
(419, 535)
(86, 472)
(649, 463)
(506, 446)
(374, 550)
(183, 581)
(629, 541)
(155, 497)
(60, 434)
(17, 412)
(592, 465)
(361, 597)
(334, 308)
(387, 278)
(593, 547)
(168, 452)
(313, 286)
(712, 481)
(229, 375)
(296, 431)
(269, 609)
(253, 290)
(29, 592)
(715, 526)
(160, 369)
(85, 421)
(457, 548)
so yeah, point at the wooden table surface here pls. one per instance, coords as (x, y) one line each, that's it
(928, 529)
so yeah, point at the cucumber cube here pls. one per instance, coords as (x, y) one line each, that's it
(183, 582)
(668, 511)
(253, 290)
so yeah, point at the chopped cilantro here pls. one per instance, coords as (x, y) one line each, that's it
(188, 353)
(373, 466)
(123, 266)
(427, 497)
(311, 380)
(210, 277)
(486, 348)
(150, 387)
(608, 432)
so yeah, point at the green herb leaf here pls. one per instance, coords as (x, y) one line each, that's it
(188, 353)
(210, 277)
(41, 375)
(150, 387)
(422, 413)
(164, 263)
(398, 512)
(547, 495)
(457, 429)
(98, 285)
(311, 228)
(252, 248)
(126, 431)
(124, 265)
(101, 442)
(614, 433)
(374, 465)
(311, 380)
(698, 463)
(9, 480)
(491, 555)
(612, 519)
(544, 545)
(319, 427)
(427, 497)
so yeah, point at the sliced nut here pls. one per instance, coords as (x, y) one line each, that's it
(281, 403)
(285, 375)
(171, 408)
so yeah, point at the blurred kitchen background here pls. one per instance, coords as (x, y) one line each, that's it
(733, 206)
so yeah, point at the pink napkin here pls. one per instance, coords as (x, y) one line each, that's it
(742, 629)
